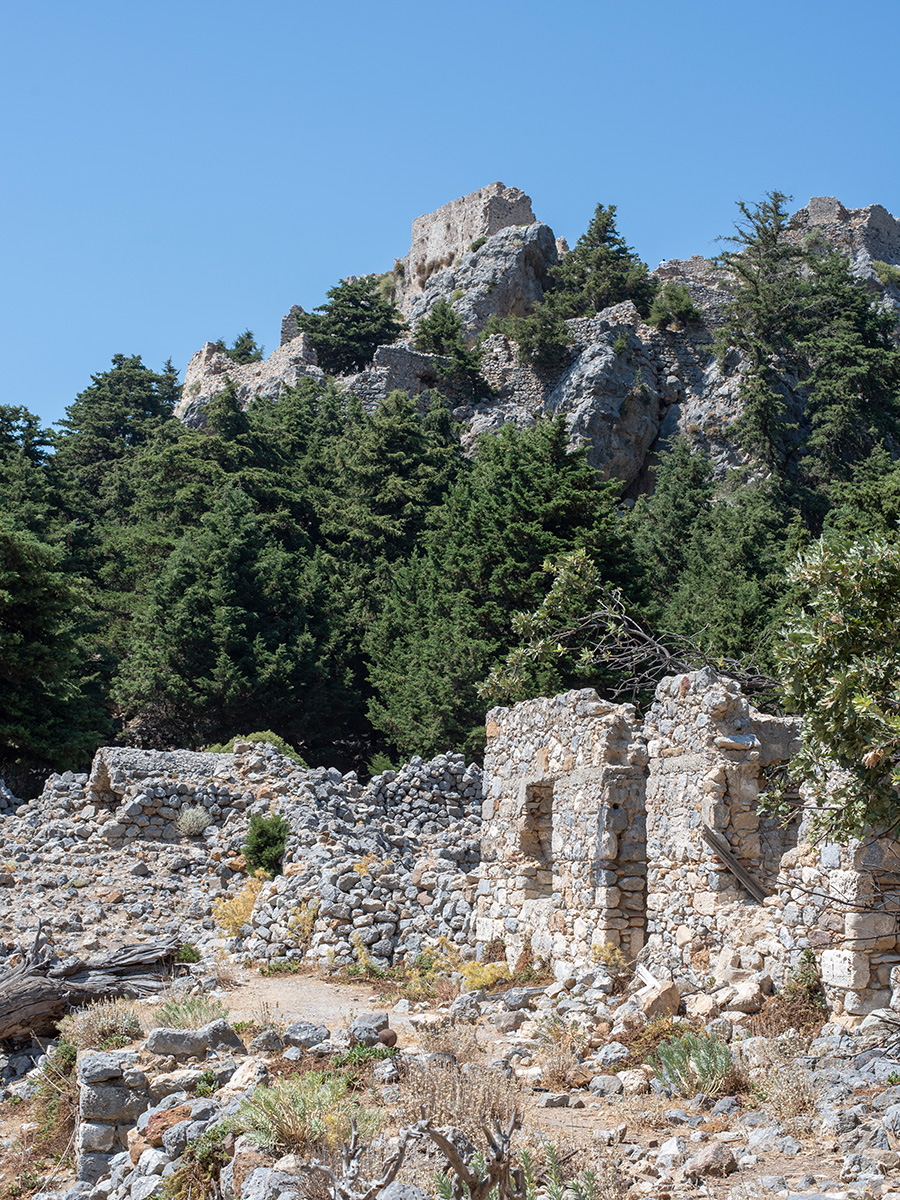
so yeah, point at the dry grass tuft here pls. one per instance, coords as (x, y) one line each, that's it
(103, 1025)
(232, 915)
(449, 1036)
(560, 1050)
(310, 1113)
(178, 1011)
(466, 1099)
(788, 1092)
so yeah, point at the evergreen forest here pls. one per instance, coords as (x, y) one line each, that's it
(348, 578)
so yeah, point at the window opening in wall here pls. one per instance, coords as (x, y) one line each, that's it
(536, 838)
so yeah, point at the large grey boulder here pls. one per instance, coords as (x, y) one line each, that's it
(504, 277)
(305, 1034)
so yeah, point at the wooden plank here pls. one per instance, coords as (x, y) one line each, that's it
(720, 847)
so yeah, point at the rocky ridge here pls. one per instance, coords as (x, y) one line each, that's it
(624, 402)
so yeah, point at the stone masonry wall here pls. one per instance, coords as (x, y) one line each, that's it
(706, 746)
(440, 237)
(593, 834)
(563, 849)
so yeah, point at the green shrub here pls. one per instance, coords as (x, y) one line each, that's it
(265, 844)
(188, 953)
(243, 351)
(542, 336)
(310, 1113)
(272, 739)
(197, 1174)
(620, 345)
(379, 763)
(673, 303)
(887, 273)
(477, 244)
(690, 1064)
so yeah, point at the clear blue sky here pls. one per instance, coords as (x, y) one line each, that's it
(179, 171)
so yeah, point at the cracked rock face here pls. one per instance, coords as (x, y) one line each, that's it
(505, 277)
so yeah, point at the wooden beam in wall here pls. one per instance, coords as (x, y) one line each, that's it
(720, 847)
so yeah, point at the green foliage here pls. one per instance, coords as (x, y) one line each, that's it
(243, 350)
(542, 336)
(888, 273)
(765, 270)
(620, 345)
(441, 332)
(310, 1113)
(601, 270)
(446, 618)
(672, 304)
(839, 664)
(196, 1176)
(378, 764)
(49, 709)
(267, 736)
(477, 244)
(266, 841)
(187, 953)
(690, 1064)
(346, 332)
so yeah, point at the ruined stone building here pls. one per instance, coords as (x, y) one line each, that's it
(603, 830)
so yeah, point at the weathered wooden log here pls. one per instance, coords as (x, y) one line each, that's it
(35, 994)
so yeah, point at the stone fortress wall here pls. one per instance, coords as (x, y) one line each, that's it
(442, 236)
(599, 830)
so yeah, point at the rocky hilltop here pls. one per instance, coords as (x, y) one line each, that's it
(626, 387)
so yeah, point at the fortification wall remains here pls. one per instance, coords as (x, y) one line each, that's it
(599, 830)
(440, 237)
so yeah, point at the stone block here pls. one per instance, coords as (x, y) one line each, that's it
(110, 1104)
(662, 1000)
(96, 1137)
(847, 969)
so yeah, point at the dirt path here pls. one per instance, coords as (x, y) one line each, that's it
(287, 998)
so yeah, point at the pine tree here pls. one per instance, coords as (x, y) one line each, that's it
(763, 326)
(346, 332)
(235, 634)
(50, 710)
(447, 618)
(600, 270)
(853, 380)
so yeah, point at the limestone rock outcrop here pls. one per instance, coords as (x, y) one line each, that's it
(626, 388)
(870, 237)
(441, 237)
(210, 370)
(505, 277)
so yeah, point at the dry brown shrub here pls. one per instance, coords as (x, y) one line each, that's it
(642, 1041)
(789, 1092)
(783, 1012)
(449, 1036)
(561, 1045)
(466, 1099)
